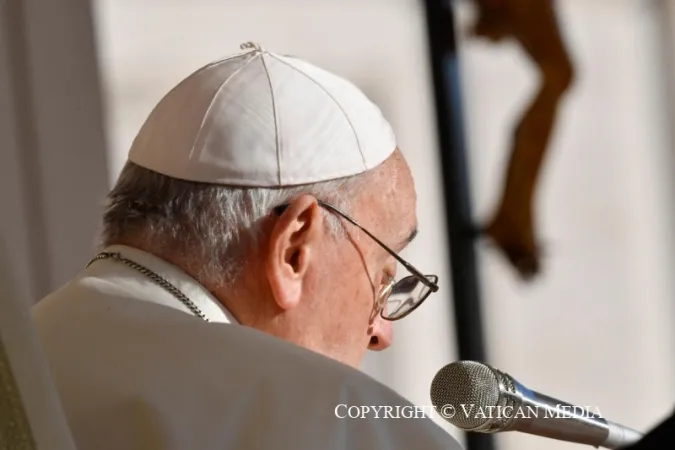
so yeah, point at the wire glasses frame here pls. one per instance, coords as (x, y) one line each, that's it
(397, 299)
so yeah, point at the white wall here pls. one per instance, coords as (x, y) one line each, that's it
(147, 47)
(52, 164)
(596, 329)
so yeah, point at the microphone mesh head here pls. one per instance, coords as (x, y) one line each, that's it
(469, 387)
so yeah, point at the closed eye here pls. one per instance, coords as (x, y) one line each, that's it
(405, 242)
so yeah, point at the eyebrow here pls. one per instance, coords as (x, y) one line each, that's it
(410, 238)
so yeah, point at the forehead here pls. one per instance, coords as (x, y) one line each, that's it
(392, 202)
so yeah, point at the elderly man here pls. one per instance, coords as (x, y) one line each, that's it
(263, 192)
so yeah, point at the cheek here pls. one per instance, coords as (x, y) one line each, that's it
(356, 291)
(350, 297)
(351, 287)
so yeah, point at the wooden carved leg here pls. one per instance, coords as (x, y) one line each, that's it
(513, 226)
(492, 23)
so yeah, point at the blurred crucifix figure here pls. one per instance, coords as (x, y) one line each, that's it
(533, 24)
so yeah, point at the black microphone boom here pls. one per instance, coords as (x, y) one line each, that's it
(476, 397)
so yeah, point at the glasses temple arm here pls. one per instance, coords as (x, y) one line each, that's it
(419, 275)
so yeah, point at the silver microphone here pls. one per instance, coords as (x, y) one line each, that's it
(476, 397)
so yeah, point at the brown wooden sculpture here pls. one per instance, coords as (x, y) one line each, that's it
(534, 25)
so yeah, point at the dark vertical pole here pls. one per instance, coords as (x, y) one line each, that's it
(465, 282)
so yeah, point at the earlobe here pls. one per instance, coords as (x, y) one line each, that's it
(290, 253)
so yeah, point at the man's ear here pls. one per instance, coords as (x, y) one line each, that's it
(293, 244)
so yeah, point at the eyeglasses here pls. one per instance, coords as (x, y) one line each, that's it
(396, 299)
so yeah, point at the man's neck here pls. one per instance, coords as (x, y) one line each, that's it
(185, 264)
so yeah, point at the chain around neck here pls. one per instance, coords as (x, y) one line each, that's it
(157, 279)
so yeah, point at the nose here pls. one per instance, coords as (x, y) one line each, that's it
(382, 335)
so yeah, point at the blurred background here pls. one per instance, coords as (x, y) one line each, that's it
(594, 327)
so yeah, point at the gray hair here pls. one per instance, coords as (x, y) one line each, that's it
(212, 227)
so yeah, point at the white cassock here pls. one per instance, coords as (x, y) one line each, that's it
(136, 370)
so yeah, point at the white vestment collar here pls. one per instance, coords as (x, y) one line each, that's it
(145, 289)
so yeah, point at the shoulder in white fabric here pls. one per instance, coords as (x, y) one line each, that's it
(159, 378)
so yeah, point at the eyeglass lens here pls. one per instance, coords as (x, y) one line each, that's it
(405, 296)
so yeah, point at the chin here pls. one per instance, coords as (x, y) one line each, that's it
(346, 361)
(354, 361)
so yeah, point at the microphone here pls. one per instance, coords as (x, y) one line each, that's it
(476, 397)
